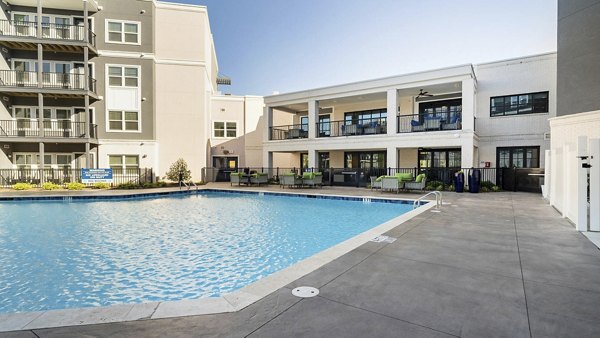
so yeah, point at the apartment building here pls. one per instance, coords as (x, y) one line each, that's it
(144, 71)
(485, 115)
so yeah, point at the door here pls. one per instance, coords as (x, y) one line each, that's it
(23, 73)
(224, 165)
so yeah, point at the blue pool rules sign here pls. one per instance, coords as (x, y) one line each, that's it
(96, 176)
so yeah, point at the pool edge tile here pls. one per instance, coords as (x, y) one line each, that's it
(193, 307)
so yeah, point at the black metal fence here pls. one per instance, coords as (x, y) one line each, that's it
(368, 126)
(36, 177)
(293, 131)
(358, 177)
(51, 128)
(429, 122)
(51, 31)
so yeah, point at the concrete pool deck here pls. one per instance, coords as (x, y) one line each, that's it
(501, 264)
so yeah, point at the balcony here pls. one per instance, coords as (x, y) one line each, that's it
(23, 35)
(373, 126)
(429, 122)
(24, 82)
(54, 129)
(288, 132)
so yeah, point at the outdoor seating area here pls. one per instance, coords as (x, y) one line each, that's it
(400, 181)
(240, 178)
(308, 179)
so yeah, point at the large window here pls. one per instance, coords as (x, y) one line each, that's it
(123, 163)
(224, 129)
(123, 76)
(519, 104)
(365, 160)
(127, 32)
(123, 120)
(367, 116)
(518, 157)
(446, 110)
(439, 158)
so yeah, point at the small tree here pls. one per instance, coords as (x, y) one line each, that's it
(179, 169)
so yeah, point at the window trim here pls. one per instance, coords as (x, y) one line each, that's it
(139, 75)
(108, 130)
(123, 165)
(547, 92)
(225, 129)
(53, 160)
(123, 22)
(511, 148)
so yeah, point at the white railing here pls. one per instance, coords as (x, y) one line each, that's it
(438, 199)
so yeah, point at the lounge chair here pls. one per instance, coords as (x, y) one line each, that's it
(290, 180)
(312, 179)
(391, 183)
(238, 178)
(259, 178)
(416, 126)
(375, 182)
(418, 184)
(432, 123)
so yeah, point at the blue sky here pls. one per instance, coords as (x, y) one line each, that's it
(284, 45)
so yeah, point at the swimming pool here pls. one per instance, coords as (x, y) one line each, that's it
(56, 255)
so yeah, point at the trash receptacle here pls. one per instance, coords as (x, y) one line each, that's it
(474, 180)
(459, 181)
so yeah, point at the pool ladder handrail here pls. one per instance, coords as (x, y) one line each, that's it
(438, 199)
(189, 186)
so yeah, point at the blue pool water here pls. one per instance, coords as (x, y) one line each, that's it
(56, 255)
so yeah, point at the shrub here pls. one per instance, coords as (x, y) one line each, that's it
(434, 185)
(179, 167)
(101, 185)
(75, 186)
(50, 186)
(127, 186)
(496, 188)
(487, 184)
(450, 187)
(484, 189)
(22, 186)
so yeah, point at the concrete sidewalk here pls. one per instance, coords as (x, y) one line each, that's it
(496, 264)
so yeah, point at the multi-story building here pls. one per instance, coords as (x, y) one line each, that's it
(486, 115)
(145, 72)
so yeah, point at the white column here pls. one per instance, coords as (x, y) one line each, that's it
(391, 156)
(392, 112)
(268, 113)
(468, 104)
(547, 174)
(595, 185)
(581, 221)
(268, 159)
(313, 118)
(467, 154)
(313, 158)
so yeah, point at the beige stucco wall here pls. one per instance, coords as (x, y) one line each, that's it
(182, 34)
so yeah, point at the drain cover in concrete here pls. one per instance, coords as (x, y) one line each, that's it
(383, 239)
(305, 292)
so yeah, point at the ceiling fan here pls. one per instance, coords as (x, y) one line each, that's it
(422, 93)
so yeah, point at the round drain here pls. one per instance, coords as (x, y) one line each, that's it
(305, 292)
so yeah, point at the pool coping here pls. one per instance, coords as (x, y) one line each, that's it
(231, 302)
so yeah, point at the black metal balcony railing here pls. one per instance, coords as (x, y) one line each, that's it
(371, 126)
(294, 131)
(429, 122)
(52, 31)
(51, 128)
(23, 79)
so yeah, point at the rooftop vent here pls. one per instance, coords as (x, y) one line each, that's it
(223, 80)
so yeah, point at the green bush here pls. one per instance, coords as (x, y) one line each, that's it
(75, 186)
(128, 186)
(22, 186)
(180, 166)
(484, 189)
(101, 185)
(50, 186)
(434, 185)
(487, 184)
(496, 188)
(450, 187)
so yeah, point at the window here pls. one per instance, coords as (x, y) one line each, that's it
(225, 129)
(121, 76)
(518, 157)
(439, 158)
(365, 160)
(123, 32)
(446, 110)
(25, 161)
(520, 104)
(364, 117)
(123, 120)
(123, 163)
